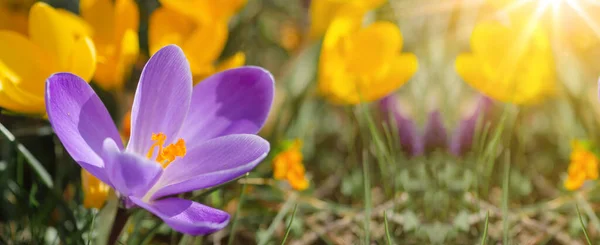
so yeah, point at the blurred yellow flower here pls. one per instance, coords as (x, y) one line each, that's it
(205, 11)
(199, 27)
(13, 15)
(583, 166)
(322, 12)
(57, 42)
(95, 191)
(125, 131)
(115, 26)
(362, 63)
(287, 165)
(508, 64)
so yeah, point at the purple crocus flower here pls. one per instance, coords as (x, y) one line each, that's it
(435, 135)
(410, 139)
(462, 139)
(182, 138)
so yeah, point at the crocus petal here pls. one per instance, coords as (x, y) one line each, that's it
(462, 139)
(408, 134)
(212, 163)
(235, 101)
(24, 62)
(80, 121)
(162, 98)
(205, 44)
(435, 136)
(83, 58)
(129, 173)
(168, 27)
(186, 216)
(47, 29)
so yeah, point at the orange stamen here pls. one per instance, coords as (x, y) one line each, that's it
(166, 154)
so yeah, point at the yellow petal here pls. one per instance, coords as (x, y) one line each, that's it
(205, 10)
(82, 59)
(111, 73)
(46, 29)
(373, 48)
(321, 16)
(95, 192)
(469, 69)
(205, 45)
(168, 27)
(14, 15)
(100, 14)
(11, 105)
(130, 49)
(402, 69)
(323, 12)
(27, 63)
(127, 19)
(237, 60)
(75, 24)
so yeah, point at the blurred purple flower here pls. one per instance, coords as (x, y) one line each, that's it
(410, 139)
(435, 135)
(208, 134)
(462, 139)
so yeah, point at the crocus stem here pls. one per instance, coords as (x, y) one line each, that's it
(120, 221)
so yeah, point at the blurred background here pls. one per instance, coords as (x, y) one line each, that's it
(397, 122)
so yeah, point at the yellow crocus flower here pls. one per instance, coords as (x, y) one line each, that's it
(509, 64)
(95, 192)
(115, 26)
(583, 166)
(205, 10)
(199, 27)
(13, 15)
(57, 42)
(287, 165)
(362, 63)
(322, 12)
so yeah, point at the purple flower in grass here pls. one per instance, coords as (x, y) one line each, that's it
(435, 135)
(183, 138)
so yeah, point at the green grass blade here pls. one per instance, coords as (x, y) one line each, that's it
(367, 183)
(387, 228)
(31, 160)
(262, 240)
(505, 197)
(485, 228)
(289, 228)
(236, 215)
(587, 237)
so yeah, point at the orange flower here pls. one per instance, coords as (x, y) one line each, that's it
(583, 166)
(287, 165)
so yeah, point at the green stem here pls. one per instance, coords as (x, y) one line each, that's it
(120, 221)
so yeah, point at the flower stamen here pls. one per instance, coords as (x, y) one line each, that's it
(166, 154)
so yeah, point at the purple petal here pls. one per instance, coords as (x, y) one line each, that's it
(236, 101)
(162, 98)
(435, 136)
(410, 140)
(211, 163)
(129, 173)
(186, 216)
(80, 121)
(462, 139)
